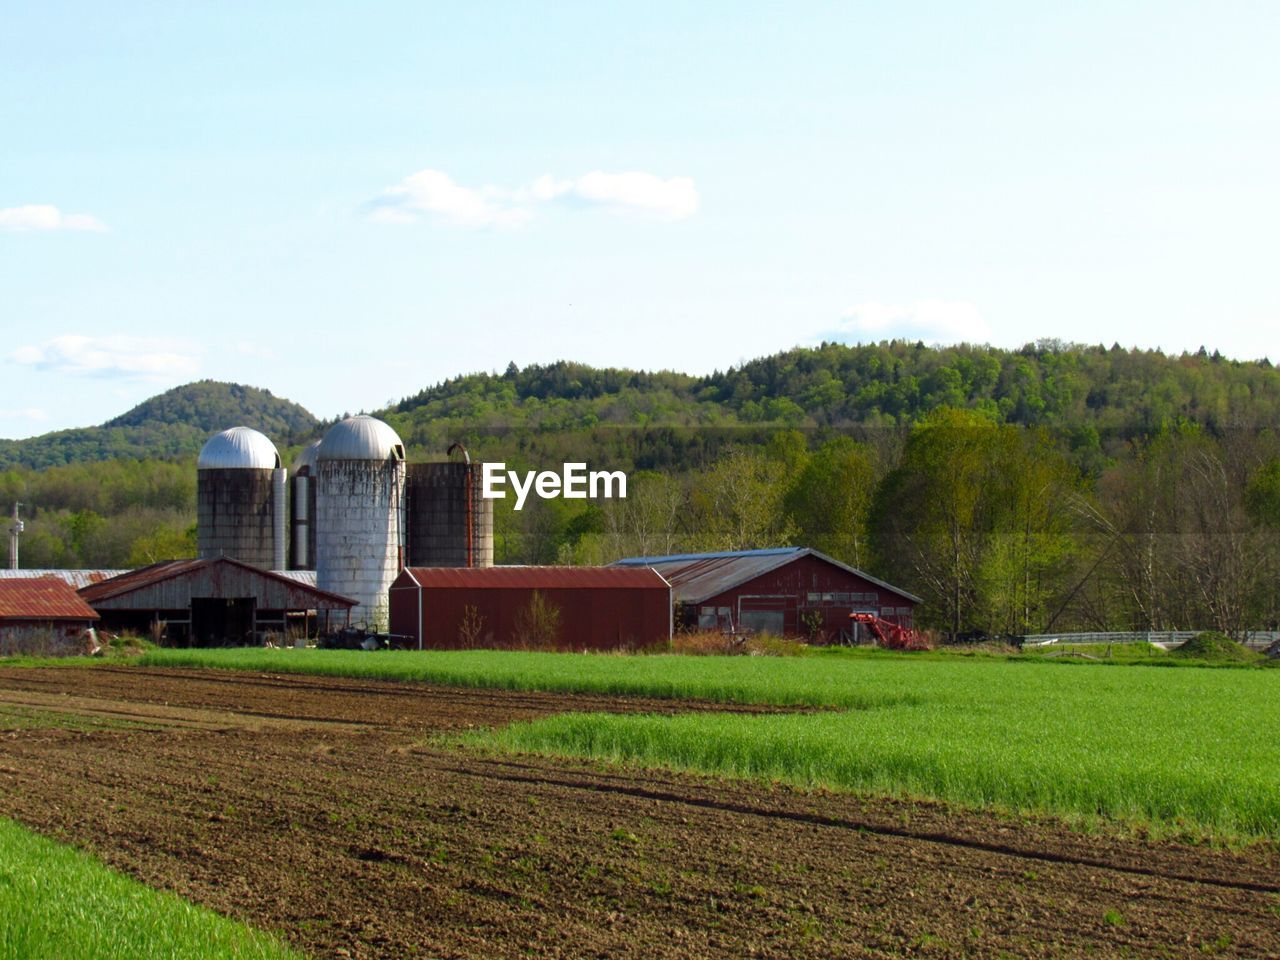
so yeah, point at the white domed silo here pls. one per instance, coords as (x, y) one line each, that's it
(240, 499)
(304, 509)
(360, 514)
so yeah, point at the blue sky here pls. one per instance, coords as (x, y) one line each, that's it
(346, 203)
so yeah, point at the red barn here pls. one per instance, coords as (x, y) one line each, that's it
(42, 615)
(786, 592)
(565, 608)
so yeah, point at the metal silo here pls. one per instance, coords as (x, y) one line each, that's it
(450, 523)
(304, 509)
(360, 514)
(240, 499)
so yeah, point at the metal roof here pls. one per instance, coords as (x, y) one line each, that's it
(696, 576)
(307, 458)
(77, 578)
(305, 577)
(171, 569)
(240, 448)
(361, 438)
(42, 598)
(535, 578)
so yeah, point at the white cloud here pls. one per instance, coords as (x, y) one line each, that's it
(41, 216)
(431, 193)
(625, 193)
(142, 358)
(934, 321)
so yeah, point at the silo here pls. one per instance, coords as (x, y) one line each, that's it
(450, 523)
(360, 514)
(240, 502)
(304, 509)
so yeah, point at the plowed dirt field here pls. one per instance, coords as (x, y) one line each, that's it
(320, 808)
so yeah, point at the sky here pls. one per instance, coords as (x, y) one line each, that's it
(345, 203)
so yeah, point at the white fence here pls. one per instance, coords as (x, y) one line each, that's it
(1255, 640)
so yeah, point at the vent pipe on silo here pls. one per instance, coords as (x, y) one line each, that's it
(304, 508)
(280, 518)
(15, 531)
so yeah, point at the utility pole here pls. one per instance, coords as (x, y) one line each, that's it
(15, 531)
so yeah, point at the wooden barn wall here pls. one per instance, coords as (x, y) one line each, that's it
(590, 619)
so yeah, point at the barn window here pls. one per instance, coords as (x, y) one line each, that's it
(815, 598)
(886, 611)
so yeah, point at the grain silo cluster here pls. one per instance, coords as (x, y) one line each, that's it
(356, 513)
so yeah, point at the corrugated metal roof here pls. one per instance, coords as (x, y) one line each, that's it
(535, 578)
(696, 576)
(240, 448)
(169, 569)
(305, 577)
(717, 555)
(42, 598)
(77, 578)
(360, 438)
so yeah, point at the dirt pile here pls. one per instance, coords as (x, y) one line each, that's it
(1214, 647)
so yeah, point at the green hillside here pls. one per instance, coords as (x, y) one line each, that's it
(173, 424)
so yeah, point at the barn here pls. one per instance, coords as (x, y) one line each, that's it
(43, 616)
(563, 608)
(785, 591)
(213, 602)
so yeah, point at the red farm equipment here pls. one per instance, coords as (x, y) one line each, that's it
(891, 636)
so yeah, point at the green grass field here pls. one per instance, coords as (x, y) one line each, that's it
(1187, 749)
(785, 681)
(57, 903)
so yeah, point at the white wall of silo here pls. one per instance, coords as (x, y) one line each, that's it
(360, 532)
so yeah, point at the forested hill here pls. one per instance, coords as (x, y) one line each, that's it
(173, 424)
(1071, 387)
(1082, 390)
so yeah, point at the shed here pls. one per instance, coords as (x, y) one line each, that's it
(564, 608)
(213, 601)
(784, 591)
(41, 615)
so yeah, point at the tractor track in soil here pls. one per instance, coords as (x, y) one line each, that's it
(323, 809)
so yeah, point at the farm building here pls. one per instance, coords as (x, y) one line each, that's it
(41, 615)
(566, 608)
(213, 601)
(787, 592)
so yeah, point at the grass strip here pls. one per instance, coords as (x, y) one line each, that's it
(1183, 750)
(57, 903)
(781, 681)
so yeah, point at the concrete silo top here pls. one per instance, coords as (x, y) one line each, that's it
(240, 448)
(307, 458)
(361, 438)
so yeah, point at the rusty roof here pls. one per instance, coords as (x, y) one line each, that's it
(170, 569)
(42, 598)
(77, 578)
(536, 578)
(697, 576)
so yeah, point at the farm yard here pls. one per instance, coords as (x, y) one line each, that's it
(371, 817)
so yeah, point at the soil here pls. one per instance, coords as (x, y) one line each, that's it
(326, 810)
